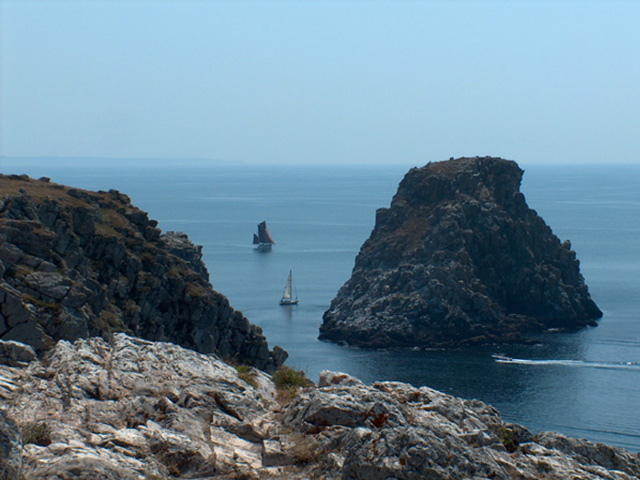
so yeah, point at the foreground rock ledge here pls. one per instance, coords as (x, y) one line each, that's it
(459, 258)
(134, 409)
(75, 264)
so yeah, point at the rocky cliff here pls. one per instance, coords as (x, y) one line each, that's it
(132, 409)
(75, 264)
(459, 258)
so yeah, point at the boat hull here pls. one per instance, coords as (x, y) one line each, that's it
(285, 301)
(263, 247)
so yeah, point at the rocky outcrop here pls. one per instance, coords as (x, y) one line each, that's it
(179, 245)
(459, 258)
(129, 408)
(75, 264)
(393, 430)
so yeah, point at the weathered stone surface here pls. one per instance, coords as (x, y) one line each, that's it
(76, 263)
(10, 450)
(180, 246)
(16, 354)
(30, 333)
(274, 454)
(10, 254)
(609, 457)
(393, 430)
(131, 408)
(12, 307)
(459, 258)
(51, 286)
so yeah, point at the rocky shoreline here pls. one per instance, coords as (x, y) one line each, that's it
(75, 264)
(128, 408)
(459, 259)
(119, 361)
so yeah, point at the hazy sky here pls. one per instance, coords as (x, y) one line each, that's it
(321, 81)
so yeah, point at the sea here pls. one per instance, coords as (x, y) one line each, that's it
(584, 384)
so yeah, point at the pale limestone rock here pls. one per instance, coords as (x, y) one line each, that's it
(335, 378)
(273, 454)
(135, 409)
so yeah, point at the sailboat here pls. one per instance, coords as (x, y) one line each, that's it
(263, 240)
(287, 295)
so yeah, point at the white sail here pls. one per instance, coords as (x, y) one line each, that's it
(287, 295)
(287, 288)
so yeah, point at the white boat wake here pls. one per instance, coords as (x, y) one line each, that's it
(499, 358)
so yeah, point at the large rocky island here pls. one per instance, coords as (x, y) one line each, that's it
(75, 264)
(459, 258)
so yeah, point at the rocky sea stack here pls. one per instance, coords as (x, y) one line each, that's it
(76, 264)
(459, 258)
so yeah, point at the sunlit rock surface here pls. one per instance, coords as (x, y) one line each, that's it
(133, 409)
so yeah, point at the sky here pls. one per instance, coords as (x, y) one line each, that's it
(321, 82)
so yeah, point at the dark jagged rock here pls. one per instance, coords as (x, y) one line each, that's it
(180, 246)
(75, 264)
(459, 258)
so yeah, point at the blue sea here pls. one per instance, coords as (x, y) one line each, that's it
(584, 384)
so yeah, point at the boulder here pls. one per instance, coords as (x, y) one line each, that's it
(16, 354)
(611, 458)
(393, 430)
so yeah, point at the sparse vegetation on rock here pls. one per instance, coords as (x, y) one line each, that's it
(246, 374)
(288, 380)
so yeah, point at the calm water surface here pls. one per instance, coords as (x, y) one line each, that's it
(584, 384)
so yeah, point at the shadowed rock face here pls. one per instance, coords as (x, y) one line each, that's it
(459, 258)
(75, 264)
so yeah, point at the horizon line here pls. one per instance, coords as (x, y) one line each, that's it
(333, 163)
